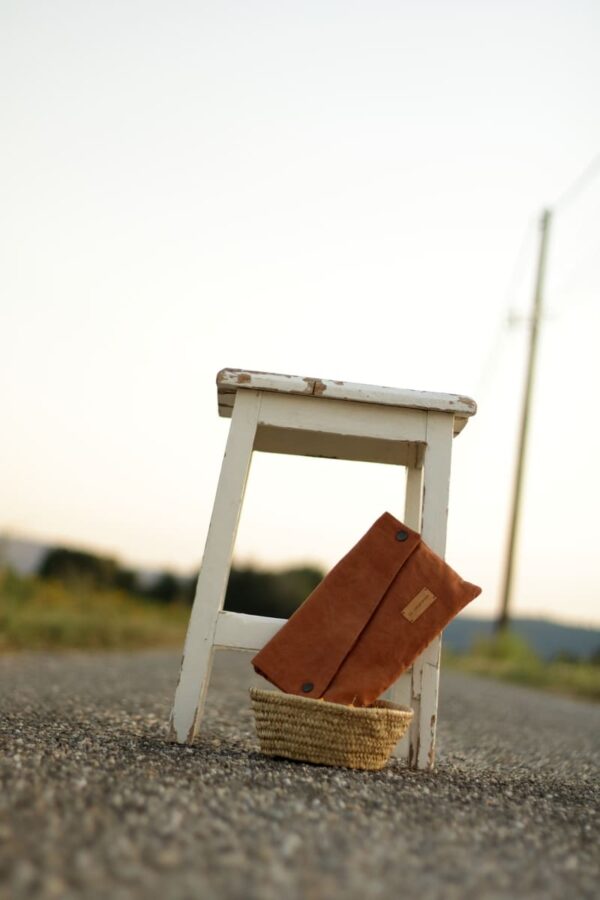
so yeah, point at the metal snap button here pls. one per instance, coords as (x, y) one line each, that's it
(307, 687)
(402, 535)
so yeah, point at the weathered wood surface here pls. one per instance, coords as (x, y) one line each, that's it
(241, 631)
(401, 691)
(214, 571)
(229, 381)
(282, 414)
(434, 517)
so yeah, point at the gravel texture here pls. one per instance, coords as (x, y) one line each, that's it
(94, 803)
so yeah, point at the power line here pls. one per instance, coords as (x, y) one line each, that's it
(522, 260)
(572, 192)
(577, 186)
(581, 264)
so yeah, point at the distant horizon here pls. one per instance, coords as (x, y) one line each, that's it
(468, 613)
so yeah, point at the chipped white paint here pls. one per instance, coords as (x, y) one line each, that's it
(339, 418)
(300, 442)
(413, 502)
(214, 572)
(239, 631)
(434, 516)
(307, 416)
(401, 692)
(231, 380)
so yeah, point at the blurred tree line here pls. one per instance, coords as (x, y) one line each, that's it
(250, 590)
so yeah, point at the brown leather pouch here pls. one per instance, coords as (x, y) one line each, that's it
(368, 620)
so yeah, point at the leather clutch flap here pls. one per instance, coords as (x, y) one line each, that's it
(368, 620)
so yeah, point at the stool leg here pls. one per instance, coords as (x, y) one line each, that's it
(426, 669)
(401, 691)
(214, 572)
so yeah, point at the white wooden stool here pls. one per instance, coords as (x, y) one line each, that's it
(335, 419)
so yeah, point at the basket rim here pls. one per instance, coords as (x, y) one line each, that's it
(373, 711)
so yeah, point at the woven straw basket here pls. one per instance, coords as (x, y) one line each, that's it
(331, 734)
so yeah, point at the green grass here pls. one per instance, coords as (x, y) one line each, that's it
(510, 658)
(36, 614)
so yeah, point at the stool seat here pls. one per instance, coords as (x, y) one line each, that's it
(229, 381)
(292, 414)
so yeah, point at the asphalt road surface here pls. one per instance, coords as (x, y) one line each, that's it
(95, 804)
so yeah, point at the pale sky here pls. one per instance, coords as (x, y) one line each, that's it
(330, 189)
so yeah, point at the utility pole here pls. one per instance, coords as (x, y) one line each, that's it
(503, 619)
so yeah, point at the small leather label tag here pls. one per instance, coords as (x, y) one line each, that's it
(418, 605)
